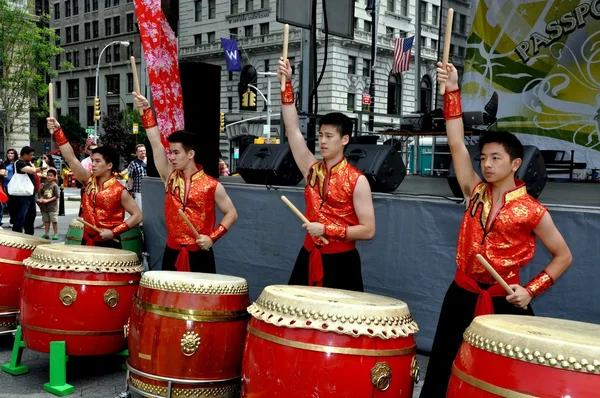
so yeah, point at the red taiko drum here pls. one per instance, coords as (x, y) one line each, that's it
(188, 328)
(321, 342)
(523, 356)
(78, 294)
(14, 248)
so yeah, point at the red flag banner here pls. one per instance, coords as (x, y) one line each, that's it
(160, 50)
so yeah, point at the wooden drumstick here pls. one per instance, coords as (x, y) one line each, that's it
(493, 272)
(87, 224)
(189, 223)
(136, 81)
(51, 103)
(286, 36)
(301, 216)
(447, 39)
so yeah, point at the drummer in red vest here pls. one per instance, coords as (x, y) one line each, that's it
(190, 189)
(338, 198)
(501, 223)
(104, 199)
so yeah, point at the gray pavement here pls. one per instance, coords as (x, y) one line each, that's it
(92, 377)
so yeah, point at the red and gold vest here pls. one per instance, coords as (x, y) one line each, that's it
(329, 196)
(508, 242)
(102, 204)
(198, 206)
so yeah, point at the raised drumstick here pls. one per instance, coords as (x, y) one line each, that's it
(447, 39)
(87, 224)
(51, 103)
(136, 81)
(301, 216)
(189, 223)
(286, 35)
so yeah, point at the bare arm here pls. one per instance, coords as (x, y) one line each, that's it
(29, 169)
(551, 237)
(363, 205)
(132, 208)
(131, 171)
(467, 178)
(223, 201)
(163, 166)
(80, 173)
(302, 155)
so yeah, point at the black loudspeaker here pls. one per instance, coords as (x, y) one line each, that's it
(270, 164)
(532, 171)
(381, 164)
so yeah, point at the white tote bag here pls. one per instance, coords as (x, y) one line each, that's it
(20, 185)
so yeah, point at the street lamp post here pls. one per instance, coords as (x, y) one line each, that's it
(267, 99)
(122, 43)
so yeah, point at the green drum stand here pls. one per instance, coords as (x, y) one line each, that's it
(74, 233)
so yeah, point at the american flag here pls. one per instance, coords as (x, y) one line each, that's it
(402, 54)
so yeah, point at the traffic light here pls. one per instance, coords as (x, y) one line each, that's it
(252, 98)
(245, 98)
(96, 109)
(222, 118)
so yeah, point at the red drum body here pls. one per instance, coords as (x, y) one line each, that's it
(320, 342)
(78, 294)
(188, 328)
(14, 248)
(521, 356)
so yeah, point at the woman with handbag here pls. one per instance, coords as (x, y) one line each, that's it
(9, 165)
(22, 188)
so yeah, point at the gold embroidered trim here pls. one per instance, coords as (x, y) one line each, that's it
(212, 392)
(183, 287)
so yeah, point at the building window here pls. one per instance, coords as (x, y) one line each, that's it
(350, 102)
(107, 27)
(391, 5)
(74, 111)
(129, 82)
(117, 25)
(233, 33)
(87, 31)
(435, 11)
(90, 86)
(56, 11)
(461, 51)
(87, 54)
(198, 10)
(266, 65)
(108, 56)
(75, 7)
(264, 3)
(230, 103)
(210, 37)
(434, 44)
(264, 28)
(212, 9)
(451, 49)
(68, 36)
(117, 52)
(73, 88)
(107, 3)
(197, 40)
(367, 26)
(112, 84)
(86, 6)
(95, 30)
(76, 59)
(95, 56)
(90, 115)
(234, 7)
(394, 99)
(130, 50)
(76, 33)
(249, 5)
(57, 62)
(115, 3)
(352, 65)
(423, 42)
(94, 5)
(248, 31)
(57, 90)
(69, 57)
(129, 18)
(423, 11)
(230, 77)
(366, 67)
(426, 94)
(292, 64)
(389, 32)
(57, 34)
(404, 7)
(462, 24)
(68, 8)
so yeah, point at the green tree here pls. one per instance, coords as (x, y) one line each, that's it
(118, 133)
(27, 47)
(73, 130)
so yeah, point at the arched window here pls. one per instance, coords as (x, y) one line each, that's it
(426, 94)
(394, 99)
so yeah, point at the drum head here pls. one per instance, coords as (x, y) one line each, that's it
(194, 282)
(20, 241)
(83, 259)
(76, 224)
(546, 341)
(340, 311)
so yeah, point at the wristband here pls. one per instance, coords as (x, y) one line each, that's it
(452, 105)
(287, 96)
(123, 227)
(218, 233)
(337, 231)
(59, 137)
(539, 284)
(148, 119)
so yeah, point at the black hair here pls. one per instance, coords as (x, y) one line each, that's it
(109, 155)
(187, 140)
(51, 171)
(341, 122)
(509, 141)
(27, 150)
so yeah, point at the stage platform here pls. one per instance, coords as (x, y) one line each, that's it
(412, 256)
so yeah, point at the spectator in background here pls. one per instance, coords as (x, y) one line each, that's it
(9, 165)
(24, 206)
(223, 170)
(48, 202)
(87, 162)
(137, 171)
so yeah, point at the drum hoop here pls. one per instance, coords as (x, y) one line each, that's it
(72, 238)
(8, 309)
(72, 332)
(183, 287)
(49, 262)
(21, 241)
(79, 281)
(329, 349)
(135, 371)
(488, 387)
(11, 262)
(192, 315)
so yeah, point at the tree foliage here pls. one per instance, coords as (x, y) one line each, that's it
(118, 129)
(27, 47)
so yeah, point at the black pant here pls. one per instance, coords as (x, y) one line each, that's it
(23, 215)
(200, 260)
(340, 270)
(458, 310)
